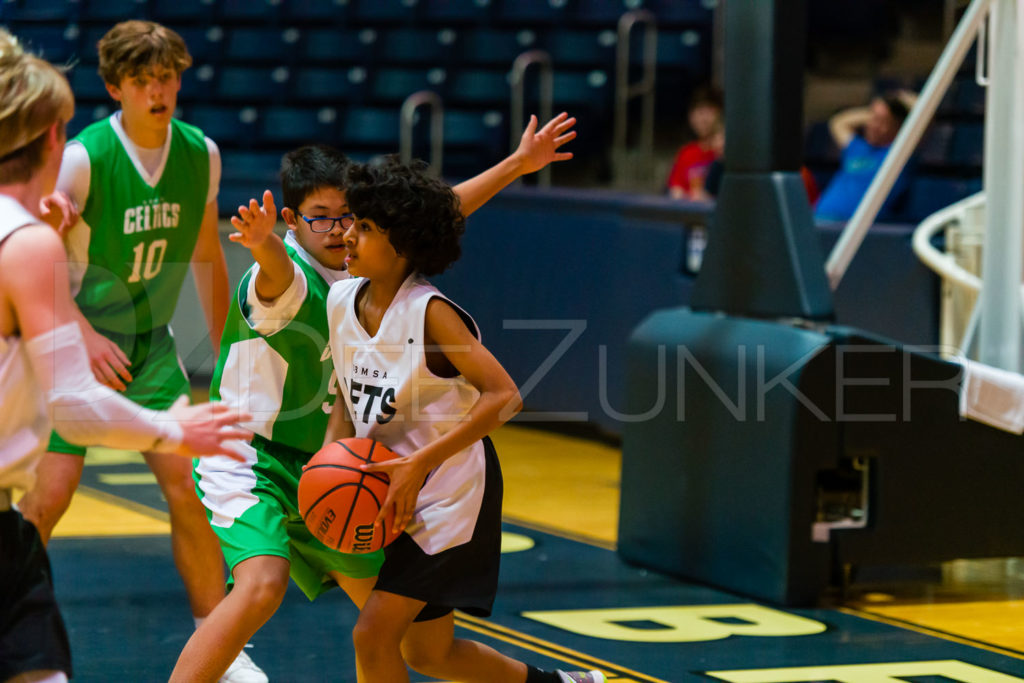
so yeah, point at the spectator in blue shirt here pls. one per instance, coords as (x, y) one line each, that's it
(864, 134)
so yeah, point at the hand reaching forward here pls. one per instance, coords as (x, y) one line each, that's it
(537, 149)
(209, 428)
(407, 476)
(59, 211)
(254, 223)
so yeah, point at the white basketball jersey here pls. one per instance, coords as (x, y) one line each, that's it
(24, 422)
(393, 397)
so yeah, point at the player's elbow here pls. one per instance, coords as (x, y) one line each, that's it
(511, 403)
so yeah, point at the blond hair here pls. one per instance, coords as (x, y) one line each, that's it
(34, 95)
(132, 48)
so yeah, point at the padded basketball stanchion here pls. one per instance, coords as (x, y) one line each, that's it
(718, 485)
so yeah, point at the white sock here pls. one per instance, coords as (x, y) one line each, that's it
(199, 620)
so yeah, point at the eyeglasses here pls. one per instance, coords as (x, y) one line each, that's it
(326, 223)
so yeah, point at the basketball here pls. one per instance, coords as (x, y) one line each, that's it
(339, 502)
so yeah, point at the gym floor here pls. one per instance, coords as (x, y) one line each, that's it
(566, 600)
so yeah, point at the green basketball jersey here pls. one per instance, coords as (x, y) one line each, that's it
(286, 379)
(142, 236)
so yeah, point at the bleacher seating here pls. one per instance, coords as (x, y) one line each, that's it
(267, 74)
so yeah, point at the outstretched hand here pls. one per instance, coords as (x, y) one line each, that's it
(209, 428)
(59, 211)
(254, 223)
(407, 476)
(537, 149)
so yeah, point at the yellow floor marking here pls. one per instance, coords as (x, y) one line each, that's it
(560, 482)
(93, 513)
(549, 649)
(110, 456)
(127, 478)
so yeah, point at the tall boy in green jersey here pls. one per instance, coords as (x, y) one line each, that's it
(146, 185)
(275, 359)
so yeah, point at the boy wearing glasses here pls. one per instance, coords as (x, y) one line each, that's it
(276, 361)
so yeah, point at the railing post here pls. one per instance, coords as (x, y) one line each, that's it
(547, 91)
(642, 166)
(408, 119)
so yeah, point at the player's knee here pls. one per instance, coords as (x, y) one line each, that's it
(423, 657)
(264, 593)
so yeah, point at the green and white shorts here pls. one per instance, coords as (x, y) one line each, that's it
(253, 509)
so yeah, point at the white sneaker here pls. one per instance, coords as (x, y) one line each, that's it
(594, 676)
(243, 670)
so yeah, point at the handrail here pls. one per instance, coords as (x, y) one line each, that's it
(907, 138)
(625, 91)
(944, 264)
(407, 120)
(547, 93)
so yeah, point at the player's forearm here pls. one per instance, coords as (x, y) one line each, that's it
(844, 124)
(212, 285)
(276, 270)
(338, 424)
(479, 189)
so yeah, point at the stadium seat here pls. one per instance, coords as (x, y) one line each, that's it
(293, 126)
(233, 126)
(968, 145)
(394, 85)
(591, 90)
(339, 46)
(819, 146)
(39, 10)
(970, 97)
(371, 127)
(261, 44)
(687, 49)
(479, 87)
(87, 84)
(197, 83)
(526, 12)
(594, 49)
(329, 85)
(496, 47)
(264, 11)
(443, 11)
(205, 44)
(485, 130)
(251, 84)
(417, 45)
(604, 12)
(112, 11)
(316, 12)
(57, 43)
(174, 12)
(670, 12)
(257, 168)
(385, 11)
(935, 144)
(927, 195)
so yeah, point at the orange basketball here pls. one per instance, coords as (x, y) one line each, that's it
(339, 502)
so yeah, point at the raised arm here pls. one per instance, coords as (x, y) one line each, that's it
(843, 125)
(536, 150)
(255, 231)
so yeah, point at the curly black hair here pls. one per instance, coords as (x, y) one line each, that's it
(307, 169)
(420, 214)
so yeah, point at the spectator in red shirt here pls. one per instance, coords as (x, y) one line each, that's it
(689, 172)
